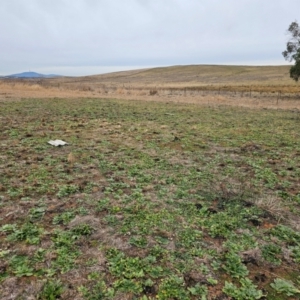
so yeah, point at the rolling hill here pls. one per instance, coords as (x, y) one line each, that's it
(31, 75)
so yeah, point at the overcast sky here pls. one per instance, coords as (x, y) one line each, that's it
(84, 37)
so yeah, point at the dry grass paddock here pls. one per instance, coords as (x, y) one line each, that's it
(245, 86)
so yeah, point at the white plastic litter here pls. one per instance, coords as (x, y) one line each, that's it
(57, 143)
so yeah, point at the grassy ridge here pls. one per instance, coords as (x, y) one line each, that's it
(234, 78)
(205, 74)
(259, 78)
(148, 201)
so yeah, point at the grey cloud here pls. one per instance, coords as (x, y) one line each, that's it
(70, 33)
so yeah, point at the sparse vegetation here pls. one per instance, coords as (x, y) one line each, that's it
(163, 201)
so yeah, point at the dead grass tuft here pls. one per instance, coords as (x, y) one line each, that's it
(71, 158)
(272, 205)
(89, 220)
(120, 91)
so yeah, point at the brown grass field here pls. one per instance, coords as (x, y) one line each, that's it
(247, 86)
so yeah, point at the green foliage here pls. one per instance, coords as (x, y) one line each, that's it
(4, 253)
(36, 214)
(39, 255)
(234, 265)
(63, 218)
(66, 190)
(83, 229)
(246, 291)
(173, 287)
(295, 70)
(83, 211)
(65, 250)
(8, 228)
(271, 253)
(266, 175)
(246, 241)
(28, 232)
(15, 192)
(97, 290)
(286, 234)
(189, 237)
(292, 51)
(63, 239)
(222, 224)
(296, 253)
(51, 290)
(132, 273)
(285, 287)
(128, 267)
(103, 204)
(199, 290)
(20, 266)
(138, 241)
(128, 285)
(13, 133)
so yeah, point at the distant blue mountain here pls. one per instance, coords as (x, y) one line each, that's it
(31, 75)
